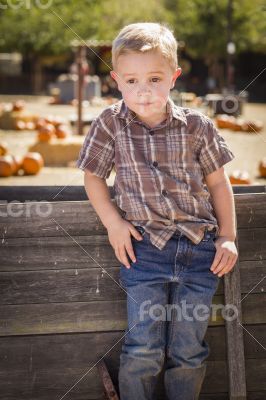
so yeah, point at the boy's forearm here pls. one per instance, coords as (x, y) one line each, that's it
(99, 196)
(224, 207)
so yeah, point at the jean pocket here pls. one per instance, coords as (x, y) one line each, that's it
(141, 230)
(209, 237)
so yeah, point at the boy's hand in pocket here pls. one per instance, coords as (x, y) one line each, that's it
(119, 235)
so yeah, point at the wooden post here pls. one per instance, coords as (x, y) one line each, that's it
(79, 57)
(234, 336)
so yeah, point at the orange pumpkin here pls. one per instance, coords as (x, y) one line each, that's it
(224, 121)
(7, 166)
(18, 105)
(3, 149)
(40, 123)
(262, 168)
(17, 164)
(239, 178)
(20, 125)
(32, 163)
(46, 133)
(253, 126)
(238, 125)
(30, 126)
(62, 131)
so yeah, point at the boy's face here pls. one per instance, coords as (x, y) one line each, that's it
(145, 80)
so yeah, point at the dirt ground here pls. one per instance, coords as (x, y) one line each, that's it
(248, 148)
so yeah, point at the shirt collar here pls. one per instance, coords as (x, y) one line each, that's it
(173, 111)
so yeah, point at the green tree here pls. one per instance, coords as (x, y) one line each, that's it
(202, 25)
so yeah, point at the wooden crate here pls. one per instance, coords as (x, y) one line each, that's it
(61, 312)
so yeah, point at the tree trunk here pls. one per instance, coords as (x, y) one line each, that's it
(37, 78)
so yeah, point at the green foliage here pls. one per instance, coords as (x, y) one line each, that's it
(200, 23)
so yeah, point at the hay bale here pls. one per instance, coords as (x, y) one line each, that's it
(59, 152)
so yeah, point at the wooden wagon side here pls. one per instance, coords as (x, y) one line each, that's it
(62, 309)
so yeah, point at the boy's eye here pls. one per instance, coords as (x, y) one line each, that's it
(153, 80)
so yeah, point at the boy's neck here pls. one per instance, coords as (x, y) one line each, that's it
(156, 121)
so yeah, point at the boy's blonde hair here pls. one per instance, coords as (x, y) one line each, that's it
(145, 36)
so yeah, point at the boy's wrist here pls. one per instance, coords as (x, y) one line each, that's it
(231, 237)
(112, 220)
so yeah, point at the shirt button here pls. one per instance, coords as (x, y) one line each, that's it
(155, 164)
(164, 192)
(151, 133)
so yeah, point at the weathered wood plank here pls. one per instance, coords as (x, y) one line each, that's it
(60, 286)
(55, 349)
(98, 316)
(39, 219)
(56, 253)
(25, 359)
(62, 317)
(69, 357)
(91, 284)
(250, 210)
(78, 193)
(252, 244)
(90, 251)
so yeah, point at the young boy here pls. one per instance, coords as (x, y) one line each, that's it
(178, 234)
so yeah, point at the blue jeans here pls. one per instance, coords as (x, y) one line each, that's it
(169, 297)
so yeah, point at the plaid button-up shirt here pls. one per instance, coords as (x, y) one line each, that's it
(159, 182)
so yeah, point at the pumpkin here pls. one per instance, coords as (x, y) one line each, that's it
(30, 126)
(225, 121)
(7, 166)
(17, 164)
(62, 131)
(54, 120)
(18, 105)
(262, 168)
(239, 178)
(32, 163)
(46, 133)
(3, 149)
(253, 126)
(49, 119)
(20, 125)
(238, 125)
(40, 123)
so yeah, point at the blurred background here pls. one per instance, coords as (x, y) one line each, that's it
(55, 59)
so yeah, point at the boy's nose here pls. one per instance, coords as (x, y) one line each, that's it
(142, 90)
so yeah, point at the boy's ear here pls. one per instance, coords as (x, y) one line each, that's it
(113, 75)
(176, 75)
(115, 78)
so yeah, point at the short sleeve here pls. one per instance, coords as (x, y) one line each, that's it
(214, 152)
(97, 152)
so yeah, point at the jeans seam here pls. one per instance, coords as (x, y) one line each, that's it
(170, 337)
(162, 322)
(179, 237)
